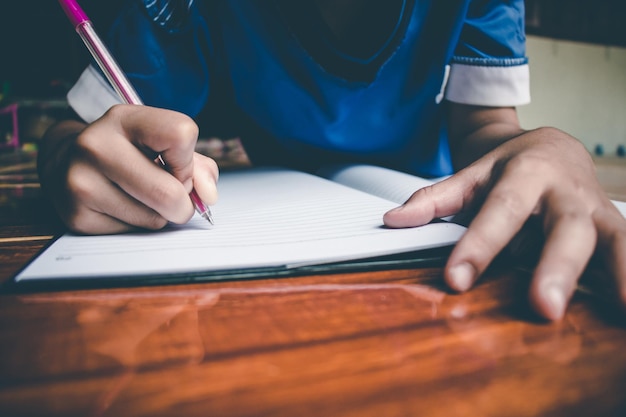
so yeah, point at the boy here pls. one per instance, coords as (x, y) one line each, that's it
(422, 86)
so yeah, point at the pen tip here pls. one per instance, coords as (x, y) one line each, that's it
(208, 216)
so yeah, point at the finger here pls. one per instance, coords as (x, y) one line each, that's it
(570, 242)
(89, 222)
(205, 178)
(611, 227)
(148, 183)
(101, 207)
(125, 165)
(507, 207)
(170, 134)
(438, 200)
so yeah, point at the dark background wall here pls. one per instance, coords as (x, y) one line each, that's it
(40, 54)
(594, 21)
(39, 51)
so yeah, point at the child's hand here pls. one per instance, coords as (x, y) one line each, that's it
(103, 177)
(543, 173)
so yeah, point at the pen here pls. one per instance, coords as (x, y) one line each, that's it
(114, 74)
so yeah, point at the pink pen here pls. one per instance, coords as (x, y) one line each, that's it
(114, 74)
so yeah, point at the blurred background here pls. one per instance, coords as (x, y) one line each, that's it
(40, 57)
(577, 51)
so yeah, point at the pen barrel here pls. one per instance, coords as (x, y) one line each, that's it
(107, 63)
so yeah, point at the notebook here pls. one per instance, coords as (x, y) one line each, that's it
(269, 221)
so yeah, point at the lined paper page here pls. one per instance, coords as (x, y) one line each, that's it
(391, 185)
(264, 218)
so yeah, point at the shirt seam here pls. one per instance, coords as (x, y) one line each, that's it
(490, 62)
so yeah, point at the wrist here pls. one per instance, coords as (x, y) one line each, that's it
(54, 148)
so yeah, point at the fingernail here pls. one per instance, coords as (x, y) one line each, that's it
(389, 217)
(462, 276)
(212, 191)
(555, 301)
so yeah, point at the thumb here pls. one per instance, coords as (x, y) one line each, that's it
(205, 175)
(442, 199)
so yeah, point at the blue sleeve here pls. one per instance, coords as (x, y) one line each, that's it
(493, 34)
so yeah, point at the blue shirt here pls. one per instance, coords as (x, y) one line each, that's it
(294, 97)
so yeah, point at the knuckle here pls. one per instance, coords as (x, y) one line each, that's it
(530, 164)
(425, 199)
(88, 145)
(574, 219)
(557, 137)
(480, 249)
(510, 201)
(574, 215)
(153, 222)
(425, 192)
(116, 115)
(422, 196)
(185, 129)
(165, 195)
(116, 112)
(78, 184)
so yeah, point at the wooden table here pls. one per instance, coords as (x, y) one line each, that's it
(390, 343)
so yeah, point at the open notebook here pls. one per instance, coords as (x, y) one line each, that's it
(268, 221)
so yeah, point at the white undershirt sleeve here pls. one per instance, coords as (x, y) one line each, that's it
(493, 86)
(92, 95)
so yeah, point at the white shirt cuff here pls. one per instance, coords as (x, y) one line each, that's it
(92, 95)
(493, 86)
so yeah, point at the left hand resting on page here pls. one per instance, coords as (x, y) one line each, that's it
(544, 174)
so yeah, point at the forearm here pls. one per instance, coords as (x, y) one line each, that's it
(475, 131)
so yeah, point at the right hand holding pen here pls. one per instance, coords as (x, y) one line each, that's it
(103, 177)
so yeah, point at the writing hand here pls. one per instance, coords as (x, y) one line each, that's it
(103, 177)
(545, 174)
